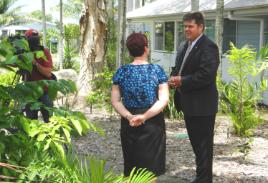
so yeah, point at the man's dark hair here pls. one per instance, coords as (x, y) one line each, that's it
(197, 16)
(136, 43)
(34, 43)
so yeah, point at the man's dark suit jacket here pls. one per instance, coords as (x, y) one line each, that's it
(198, 95)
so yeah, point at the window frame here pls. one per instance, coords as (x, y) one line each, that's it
(164, 37)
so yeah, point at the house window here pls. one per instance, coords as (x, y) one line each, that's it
(180, 33)
(229, 34)
(159, 36)
(169, 36)
(241, 33)
(248, 32)
(265, 38)
(4, 33)
(210, 29)
(164, 36)
(266, 31)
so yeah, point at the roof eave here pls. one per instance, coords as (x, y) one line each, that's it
(205, 11)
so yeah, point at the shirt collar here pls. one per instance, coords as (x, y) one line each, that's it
(194, 42)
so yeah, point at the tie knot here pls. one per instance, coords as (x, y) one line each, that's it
(189, 43)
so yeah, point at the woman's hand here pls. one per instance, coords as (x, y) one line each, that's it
(137, 120)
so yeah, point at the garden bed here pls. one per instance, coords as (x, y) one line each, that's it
(230, 165)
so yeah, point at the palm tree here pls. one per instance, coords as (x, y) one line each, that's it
(7, 15)
(73, 8)
(44, 23)
(61, 37)
(121, 32)
(38, 14)
(219, 25)
(194, 5)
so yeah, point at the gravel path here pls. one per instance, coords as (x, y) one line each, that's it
(230, 165)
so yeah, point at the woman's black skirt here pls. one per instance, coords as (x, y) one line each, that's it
(144, 146)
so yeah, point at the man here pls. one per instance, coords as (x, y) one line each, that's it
(194, 78)
(41, 71)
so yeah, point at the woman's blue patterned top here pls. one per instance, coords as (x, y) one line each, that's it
(139, 84)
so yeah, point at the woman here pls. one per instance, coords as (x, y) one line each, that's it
(144, 92)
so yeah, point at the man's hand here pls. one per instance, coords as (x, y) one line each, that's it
(174, 81)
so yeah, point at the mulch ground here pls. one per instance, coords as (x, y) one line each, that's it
(230, 164)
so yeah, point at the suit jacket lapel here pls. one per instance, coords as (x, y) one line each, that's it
(194, 49)
(182, 54)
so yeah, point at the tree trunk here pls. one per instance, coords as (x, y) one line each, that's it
(44, 23)
(194, 5)
(93, 28)
(121, 32)
(219, 26)
(111, 35)
(61, 45)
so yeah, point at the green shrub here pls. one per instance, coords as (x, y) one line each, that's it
(7, 78)
(101, 90)
(244, 92)
(70, 60)
(79, 170)
(24, 141)
(170, 111)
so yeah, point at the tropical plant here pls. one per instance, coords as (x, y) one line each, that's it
(52, 38)
(24, 141)
(71, 34)
(33, 151)
(7, 15)
(71, 8)
(170, 111)
(75, 170)
(110, 56)
(38, 14)
(138, 176)
(169, 42)
(71, 58)
(242, 95)
(221, 87)
(101, 90)
(71, 31)
(7, 78)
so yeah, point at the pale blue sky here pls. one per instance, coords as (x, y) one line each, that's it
(32, 5)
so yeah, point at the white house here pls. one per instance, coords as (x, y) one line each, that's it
(245, 22)
(9, 30)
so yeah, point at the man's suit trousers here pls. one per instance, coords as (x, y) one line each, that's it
(201, 132)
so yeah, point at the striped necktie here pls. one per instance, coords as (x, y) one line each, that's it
(185, 57)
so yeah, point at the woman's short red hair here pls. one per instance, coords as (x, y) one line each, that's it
(136, 42)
